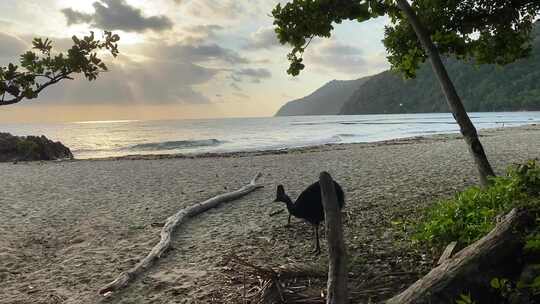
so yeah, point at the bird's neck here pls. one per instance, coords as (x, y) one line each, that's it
(290, 204)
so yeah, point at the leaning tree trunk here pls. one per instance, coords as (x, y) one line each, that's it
(452, 98)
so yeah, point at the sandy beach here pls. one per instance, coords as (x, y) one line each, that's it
(68, 228)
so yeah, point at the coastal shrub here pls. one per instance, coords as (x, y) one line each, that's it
(532, 244)
(528, 176)
(472, 213)
(465, 299)
(27, 149)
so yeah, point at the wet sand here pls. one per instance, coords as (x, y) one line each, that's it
(68, 228)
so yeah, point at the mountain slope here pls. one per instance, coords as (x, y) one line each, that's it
(327, 100)
(513, 87)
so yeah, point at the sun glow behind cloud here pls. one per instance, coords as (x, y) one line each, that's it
(216, 59)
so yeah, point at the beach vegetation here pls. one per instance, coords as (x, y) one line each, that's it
(471, 214)
(488, 32)
(29, 148)
(465, 299)
(42, 67)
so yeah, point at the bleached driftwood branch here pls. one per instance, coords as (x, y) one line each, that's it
(172, 222)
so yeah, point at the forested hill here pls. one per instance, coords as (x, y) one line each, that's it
(327, 100)
(514, 87)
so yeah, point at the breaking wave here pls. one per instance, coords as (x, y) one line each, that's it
(177, 144)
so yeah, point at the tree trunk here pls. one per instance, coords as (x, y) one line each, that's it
(471, 270)
(337, 256)
(452, 98)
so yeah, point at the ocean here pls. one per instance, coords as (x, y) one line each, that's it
(94, 139)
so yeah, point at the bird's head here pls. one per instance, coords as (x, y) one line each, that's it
(280, 194)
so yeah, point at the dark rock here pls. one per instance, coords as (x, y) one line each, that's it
(27, 148)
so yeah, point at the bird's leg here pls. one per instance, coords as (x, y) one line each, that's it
(289, 221)
(317, 250)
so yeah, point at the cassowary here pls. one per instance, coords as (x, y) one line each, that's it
(309, 206)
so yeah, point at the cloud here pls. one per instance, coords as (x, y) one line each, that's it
(152, 72)
(128, 82)
(118, 15)
(198, 53)
(236, 87)
(263, 38)
(199, 33)
(337, 56)
(5, 23)
(254, 75)
(241, 95)
(11, 46)
(215, 8)
(74, 17)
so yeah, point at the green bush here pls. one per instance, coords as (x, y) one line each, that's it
(472, 213)
(528, 177)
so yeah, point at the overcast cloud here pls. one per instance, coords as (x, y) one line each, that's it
(195, 52)
(151, 82)
(11, 46)
(263, 38)
(214, 8)
(334, 56)
(118, 15)
(253, 75)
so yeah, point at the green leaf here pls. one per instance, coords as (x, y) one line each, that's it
(495, 283)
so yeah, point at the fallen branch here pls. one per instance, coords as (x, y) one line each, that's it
(274, 213)
(447, 253)
(476, 264)
(170, 224)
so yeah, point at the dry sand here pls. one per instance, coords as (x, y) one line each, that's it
(67, 228)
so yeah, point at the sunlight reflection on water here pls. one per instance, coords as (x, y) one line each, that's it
(122, 137)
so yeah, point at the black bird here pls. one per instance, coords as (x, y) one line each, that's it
(309, 206)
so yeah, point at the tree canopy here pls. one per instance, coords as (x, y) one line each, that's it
(494, 31)
(43, 67)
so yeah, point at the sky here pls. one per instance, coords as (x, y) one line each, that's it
(180, 59)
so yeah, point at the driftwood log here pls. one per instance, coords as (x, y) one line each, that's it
(447, 253)
(172, 222)
(337, 260)
(495, 254)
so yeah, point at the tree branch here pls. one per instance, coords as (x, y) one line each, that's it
(41, 87)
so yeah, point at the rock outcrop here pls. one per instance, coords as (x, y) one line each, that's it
(28, 148)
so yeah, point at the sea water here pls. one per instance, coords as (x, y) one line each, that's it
(94, 139)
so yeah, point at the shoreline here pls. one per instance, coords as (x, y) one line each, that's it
(303, 149)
